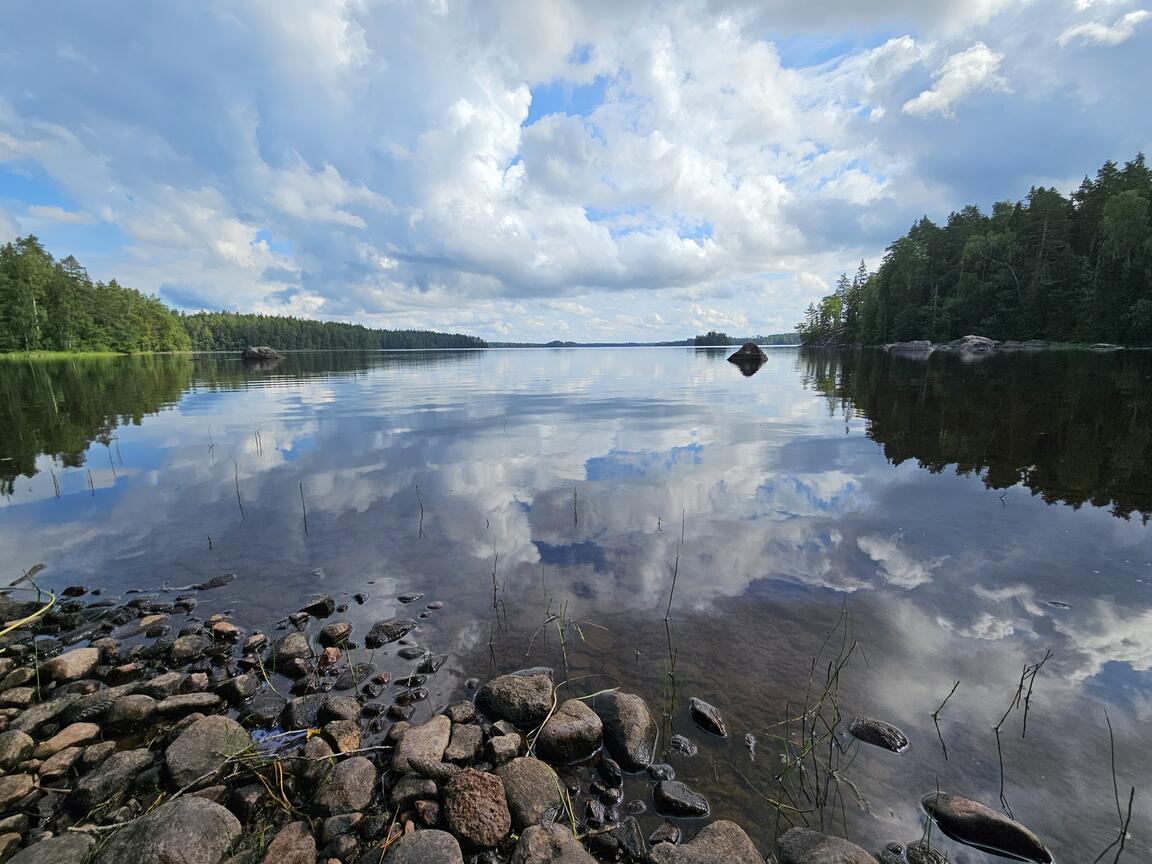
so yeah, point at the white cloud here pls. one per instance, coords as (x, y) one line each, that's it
(9, 227)
(60, 214)
(1100, 33)
(962, 74)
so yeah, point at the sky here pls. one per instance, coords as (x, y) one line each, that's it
(545, 169)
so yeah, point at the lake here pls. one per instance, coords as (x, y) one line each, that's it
(907, 523)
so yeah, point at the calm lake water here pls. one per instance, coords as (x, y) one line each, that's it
(956, 519)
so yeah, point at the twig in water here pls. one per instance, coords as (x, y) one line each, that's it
(420, 525)
(675, 568)
(303, 508)
(1124, 819)
(55, 483)
(91, 486)
(936, 719)
(236, 478)
(575, 513)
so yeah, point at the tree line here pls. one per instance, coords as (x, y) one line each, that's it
(1062, 269)
(50, 305)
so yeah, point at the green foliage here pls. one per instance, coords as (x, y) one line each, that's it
(49, 305)
(1073, 269)
(712, 338)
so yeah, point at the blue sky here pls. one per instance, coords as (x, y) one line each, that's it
(576, 170)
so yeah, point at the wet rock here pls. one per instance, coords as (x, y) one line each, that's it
(320, 606)
(425, 847)
(69, 736)
(216, 582)
(550, 844)
(476, 809)
(707, 717)
(524, 700)
(13, 787)
(432, 664)
(683, 746)
(340, 708)
(188, 648)
(465, 744)
(971, 822)
(347, 787)
(354, 676)
(877, 732)
(720, 841)
(665, 833)
(410, 652)
(293, 844)
(110, 780)
(923, 852)
(188, 831)
(531, 789)
(804, 846)
(71, 666)
(336, 633)
(629, 730)
(410, 597)
(338, 826)
(93, 707)
(673, 798)
(203, 748)
(344, 735)
(131, 711)
(186, 703)
(574, 732)
(661, 771)
(243, 686)
(384, 632)
(422, 745)
(65, 849)
(263, 710)
(15, 747)
(303, 712)
(288, 649)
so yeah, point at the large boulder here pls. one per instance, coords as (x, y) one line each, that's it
(532, 790)
(804, 846)
(572, 733)
(977, 825)
(476, 809)
(425, 847)
(204, 747)
(260, 352)
(185, 831)
(629, 730)
(749, 352)
(973, 345)
(522, 699)
(720, 841)
(550, 844)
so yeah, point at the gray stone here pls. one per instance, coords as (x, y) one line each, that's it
(532, 790)
(475, 808)
(422, 746)
(503, 747)
(303, 712)
(804, 846)
(340, 708)
(878, 733)
(135, 709)
(347, 787)
(571, 734)
(316, 762)
(204, 747)
(163, 686)
(187, 648)
(65, 849)
(673, 798)
(384, 632)
(186, 703)
(110, 780)
(293, 844)
(410, 789)
(15, 747)
(425, 847)
(465, 744)
(32, 717)
(185, 831)
(13, 787)
(72, 665)
(523, 700)
(550, 844)
(294, 646)
(707, 717)
(973, 823)
(336, 633)
(343, 735)
(629, 731)
(720, 841)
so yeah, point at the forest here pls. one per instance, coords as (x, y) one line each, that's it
(50, 305)
(1050, 267)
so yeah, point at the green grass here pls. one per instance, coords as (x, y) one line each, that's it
(14, 356)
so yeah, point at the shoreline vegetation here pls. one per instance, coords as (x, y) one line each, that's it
(1061, 269)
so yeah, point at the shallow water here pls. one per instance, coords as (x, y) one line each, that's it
(821, 493)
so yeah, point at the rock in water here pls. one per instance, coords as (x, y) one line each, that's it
(722, 841)
(475, 808)
(425, 847)
(572, 733)
(550, 844)
(971, 822)
(707, 717)
(260, 352)
(523, 700)
(629, 730)
(188, 830)
(918, 852)
(384, 632)
(879, 733)
(804, 846)
(749, 352)
(673, 798)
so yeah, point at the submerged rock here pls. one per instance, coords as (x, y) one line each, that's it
(722, 841)
(919, 852)
(804, 846)
(188, 830)
(877, 732)
(673, 798)
(629, 730)
(707, 717)
(971, 822)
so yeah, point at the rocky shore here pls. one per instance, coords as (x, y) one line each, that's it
(142, 731)
(978, 346)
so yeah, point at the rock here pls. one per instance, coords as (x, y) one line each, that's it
(550, 844)
(748, 353)
(293, 844)
(163, 686)
(340, 708)
(465, 744)
(338, 826)
(971, 822)
(336, 633)
(347, 787)
(65, 849)
(97, 753)
(923, 852)
(33, 717)
(9, 843)
(804, 846)
(203, 748)
(531, 789)
(422, 745)
(972, 345)
(683, 746)
(502, 748)
(673, 798)
(344, 735)
(303, 712)
(110, 780)
(665, 833)
(185, 831)
(425, 847)
(60, 763)
(135, 709)
(916, 346)
(410, 789)
(260, 352)
(629, 730)
(69, 736)
(318, 760)
(707, 717)
(574, 732)
(720, 841)
(72, 665)
(186, 703)
(17, 678)
(13, 787)
(320, 607)
(523, 700)
(294, 646)
(263, 710)
(879, 733)
(461, 712)
(661, 771)
(243, 686)
(18, 697)
(432, 664)
(187, 648)
(15, 747)
(383, 632)
(475, 808)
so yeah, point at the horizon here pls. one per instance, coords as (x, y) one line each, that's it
(557, 171)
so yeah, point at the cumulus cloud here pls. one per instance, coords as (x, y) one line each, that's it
(962, 74)
(60, 214)
(1101, 33)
